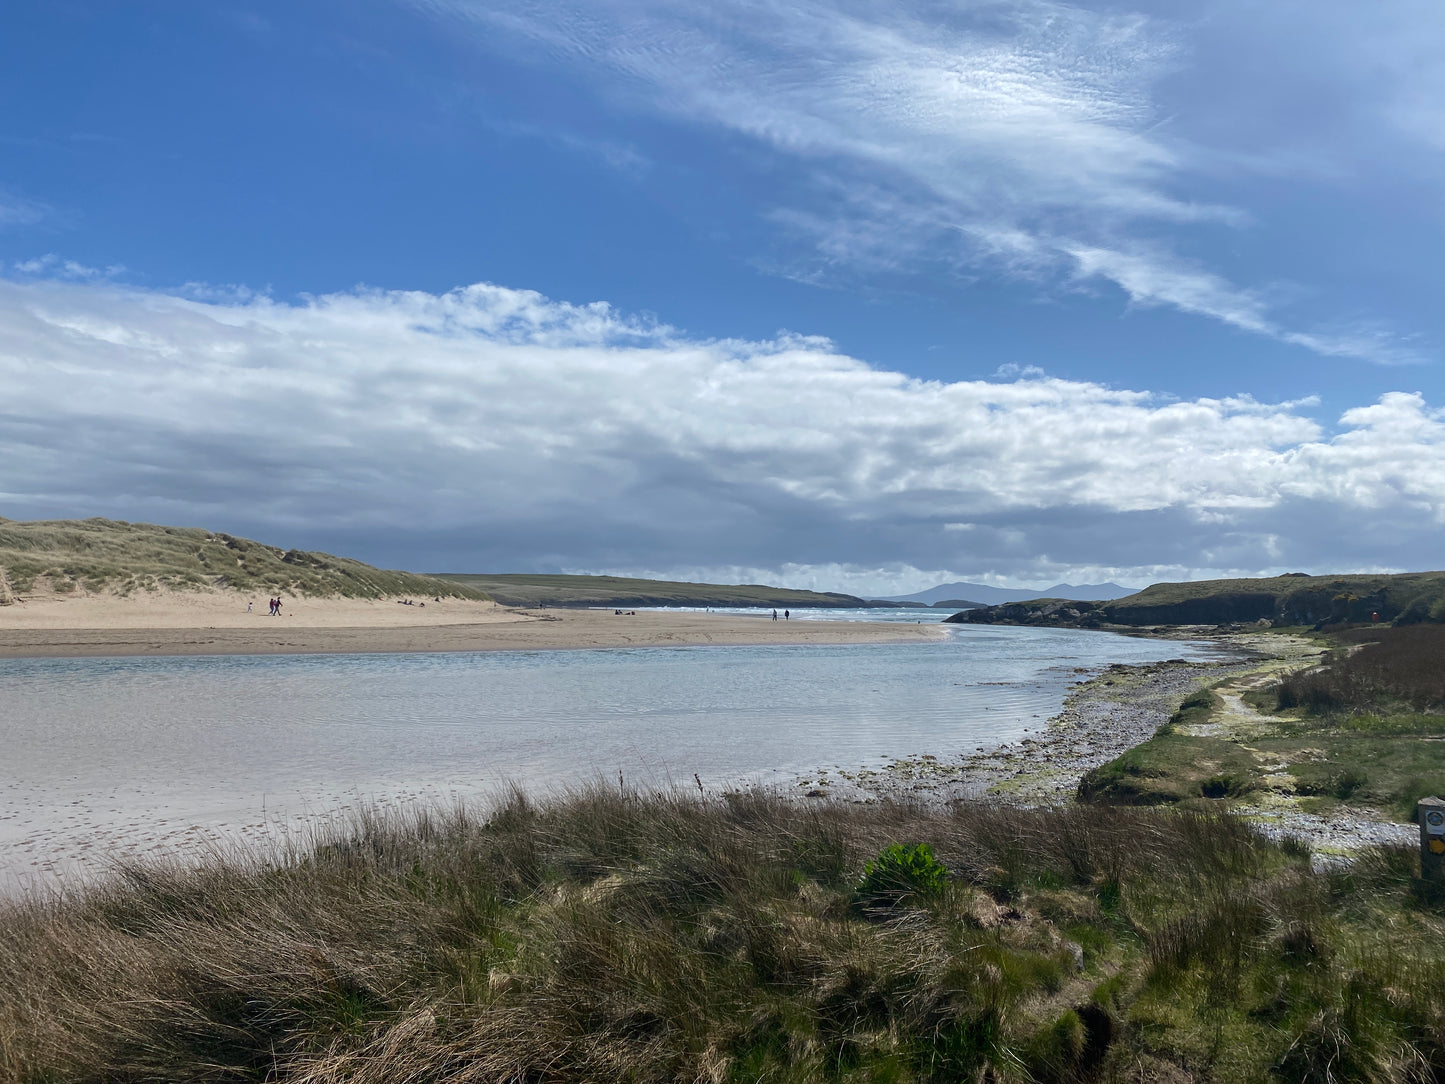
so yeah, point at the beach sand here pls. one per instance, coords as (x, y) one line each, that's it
(217, 623)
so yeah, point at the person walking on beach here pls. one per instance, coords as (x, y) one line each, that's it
(787, 615)
(775, 615)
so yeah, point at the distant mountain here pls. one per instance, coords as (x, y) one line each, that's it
(996, 596)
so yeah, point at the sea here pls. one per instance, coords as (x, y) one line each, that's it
(105, 759)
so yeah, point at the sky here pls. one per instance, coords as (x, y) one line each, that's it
(858, 296)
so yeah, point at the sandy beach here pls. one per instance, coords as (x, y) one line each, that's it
(218, 623)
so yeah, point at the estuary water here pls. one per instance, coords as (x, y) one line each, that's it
(108, 756)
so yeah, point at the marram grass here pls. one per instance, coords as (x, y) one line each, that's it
(109, 555)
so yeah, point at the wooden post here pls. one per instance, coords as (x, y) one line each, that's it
(1430, 812)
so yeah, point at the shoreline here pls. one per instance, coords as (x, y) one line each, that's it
(1102, 717)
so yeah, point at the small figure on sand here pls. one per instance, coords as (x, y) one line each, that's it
(248, 606)
(787, 615)
(775, 615)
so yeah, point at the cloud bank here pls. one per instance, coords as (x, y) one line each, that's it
(491, 429)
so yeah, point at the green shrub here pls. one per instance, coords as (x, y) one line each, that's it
(900, 872)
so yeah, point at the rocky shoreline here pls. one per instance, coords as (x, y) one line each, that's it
(1104, 716)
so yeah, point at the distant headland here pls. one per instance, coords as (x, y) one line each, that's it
(1293, 599)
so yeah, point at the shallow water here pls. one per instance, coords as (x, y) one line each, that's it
(124, 755)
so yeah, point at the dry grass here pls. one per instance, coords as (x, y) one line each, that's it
(1391, 669)
(622, 936)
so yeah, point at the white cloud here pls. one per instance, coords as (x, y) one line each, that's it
(1020, 135)
(501, 428)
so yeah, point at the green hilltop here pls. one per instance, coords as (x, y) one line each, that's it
(1292, 599)
(524, 589)
(112, 555)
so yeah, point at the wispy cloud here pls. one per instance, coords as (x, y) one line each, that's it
(480, 427)
(931, 133)
(52, 266)
(16, 210)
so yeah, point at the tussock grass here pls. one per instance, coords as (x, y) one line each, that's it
(110, 555)
(612, 935)
(1390, 669)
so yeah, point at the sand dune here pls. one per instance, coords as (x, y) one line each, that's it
(218, 623)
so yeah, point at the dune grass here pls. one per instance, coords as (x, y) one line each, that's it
(618, 936)
(109, 555)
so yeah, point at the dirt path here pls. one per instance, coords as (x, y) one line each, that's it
(1275, 808)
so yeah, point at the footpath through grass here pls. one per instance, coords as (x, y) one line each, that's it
(1364, 731)
(615, 936)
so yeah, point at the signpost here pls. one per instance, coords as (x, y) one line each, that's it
(1430, 812)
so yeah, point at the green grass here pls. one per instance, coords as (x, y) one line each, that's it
(109, 555)
(1172, 768)
(525, 589)
(617, 936)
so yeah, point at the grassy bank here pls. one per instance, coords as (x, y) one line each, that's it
(1364, 731)
(68, 556)
(616, 936)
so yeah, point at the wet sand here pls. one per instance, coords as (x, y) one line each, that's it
(217, 623)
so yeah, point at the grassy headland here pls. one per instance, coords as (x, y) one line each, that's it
(1290, 600)
(67, 556)
(621, 936)
(526, 589)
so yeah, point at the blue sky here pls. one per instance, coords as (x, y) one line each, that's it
(1004, 291)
